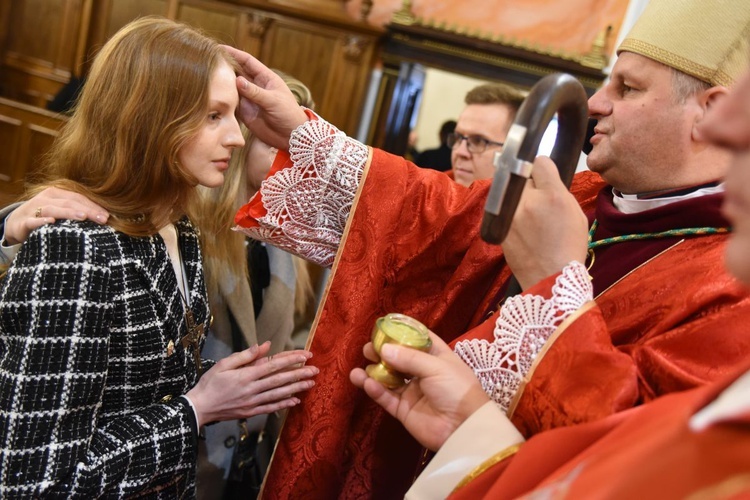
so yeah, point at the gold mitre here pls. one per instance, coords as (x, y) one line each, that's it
(708, 39)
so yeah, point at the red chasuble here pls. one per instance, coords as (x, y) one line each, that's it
(645, 452)
(412, 246)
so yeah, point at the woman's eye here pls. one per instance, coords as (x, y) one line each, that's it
(214, 116)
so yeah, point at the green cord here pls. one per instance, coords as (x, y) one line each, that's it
(687, 231)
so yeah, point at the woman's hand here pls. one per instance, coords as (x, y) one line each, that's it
(250, 383)
(48, 206)
(443, 393)
(267, 106)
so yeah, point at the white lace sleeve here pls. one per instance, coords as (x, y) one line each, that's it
(308, 204)
(524, 325)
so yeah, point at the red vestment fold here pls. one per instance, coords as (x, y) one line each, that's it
(645, 452)
(412, 246)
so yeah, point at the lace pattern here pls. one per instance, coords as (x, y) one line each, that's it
(524, 325)
(308, 204)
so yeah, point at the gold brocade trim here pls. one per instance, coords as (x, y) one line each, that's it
(564, 325)
(481, 468)
(493, 59)
(340, 251)
(637, 268)
(728, 488)
(540, 356)
(596, 58)
(323, 299)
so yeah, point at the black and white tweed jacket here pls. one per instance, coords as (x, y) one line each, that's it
(91, 365)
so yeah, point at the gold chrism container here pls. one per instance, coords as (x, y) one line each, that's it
(398, 329)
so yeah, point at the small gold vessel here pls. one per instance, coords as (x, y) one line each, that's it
(398, 329)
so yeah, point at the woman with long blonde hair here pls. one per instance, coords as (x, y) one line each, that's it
(102, 387)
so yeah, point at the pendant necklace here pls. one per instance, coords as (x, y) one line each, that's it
(195, 332)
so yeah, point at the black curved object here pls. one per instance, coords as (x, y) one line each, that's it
(557, 93)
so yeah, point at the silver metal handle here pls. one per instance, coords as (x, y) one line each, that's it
(557, 93)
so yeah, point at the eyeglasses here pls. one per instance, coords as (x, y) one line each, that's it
(474, 143)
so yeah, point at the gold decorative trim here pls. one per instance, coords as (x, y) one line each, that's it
(481, 468)
(339, 252)
(364, 10)
(637, 268)
(547, 345)
(404, 16)
(495, 60)
(596, 58)
(729, 487)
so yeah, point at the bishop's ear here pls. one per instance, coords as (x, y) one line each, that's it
(708, 100)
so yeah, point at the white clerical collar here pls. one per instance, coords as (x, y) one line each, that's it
(732, 402)
(630, 204)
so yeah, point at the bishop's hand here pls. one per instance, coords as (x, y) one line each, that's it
(549, 229)
(442, 394)
(267, 106)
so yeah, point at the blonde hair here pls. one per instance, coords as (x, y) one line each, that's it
(224, 250)
(145, 97)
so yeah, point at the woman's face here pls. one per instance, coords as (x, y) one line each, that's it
(259, 159)
(728, 124)
(206, 155)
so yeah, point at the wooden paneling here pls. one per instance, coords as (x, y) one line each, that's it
(41, 47)
(48, 40)
(121, 12)
(26, 133)
(338, 78)
(222, 22)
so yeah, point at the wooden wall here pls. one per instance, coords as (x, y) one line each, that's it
(26, 133)
(44, 42)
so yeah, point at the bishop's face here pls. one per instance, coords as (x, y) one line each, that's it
(728, 124)
(642, 133)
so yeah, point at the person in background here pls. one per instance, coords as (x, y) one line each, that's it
(481, 130)
(440, 157)
(102, 387)
(645, 221)
(688, 445)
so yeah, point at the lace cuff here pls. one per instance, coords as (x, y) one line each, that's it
(523, 327)
(308, 203)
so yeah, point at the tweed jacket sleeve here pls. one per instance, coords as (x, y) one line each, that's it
(58, 305)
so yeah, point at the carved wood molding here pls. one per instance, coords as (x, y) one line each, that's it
(484, 55)
(257, 25)
(596, 58)
(354, 47)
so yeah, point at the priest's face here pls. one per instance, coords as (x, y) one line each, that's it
(728, 124)
(643, 134)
